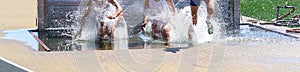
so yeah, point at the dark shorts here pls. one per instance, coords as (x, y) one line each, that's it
(195, 2)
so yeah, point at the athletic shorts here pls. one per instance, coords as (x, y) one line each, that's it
(195, 2)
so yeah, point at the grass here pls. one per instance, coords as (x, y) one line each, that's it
(266, 9)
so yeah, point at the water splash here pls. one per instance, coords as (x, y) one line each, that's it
(179, 24)
(183, 22)
(90, 29)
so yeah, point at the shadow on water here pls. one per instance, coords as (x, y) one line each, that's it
(174, 50)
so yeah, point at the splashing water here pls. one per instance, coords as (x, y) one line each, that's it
(91, 33)
(182, 25)
(90, 29)
(179, 24)
(183, 22)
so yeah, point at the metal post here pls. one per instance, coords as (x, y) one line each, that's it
(42, 13)
(277, 12)
(236, 13)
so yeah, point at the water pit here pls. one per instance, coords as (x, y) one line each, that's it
(57, 21)
(248, 35)
(68, 44)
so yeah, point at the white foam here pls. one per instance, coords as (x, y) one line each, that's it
(90, 30)
(179, 26)
(183, 21)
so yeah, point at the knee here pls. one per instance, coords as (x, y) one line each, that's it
(210, 6)
(166, 28)
(210, 11)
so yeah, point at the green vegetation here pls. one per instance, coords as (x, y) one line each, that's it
(266, 9)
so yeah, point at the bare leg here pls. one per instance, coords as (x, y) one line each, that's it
(101, 30)
(82, 21)
(191, 30)
(194, 11)
(166, 34)
(111, 33)
(210, 11)
(166, 31)
(210, 8)
(154, 31)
